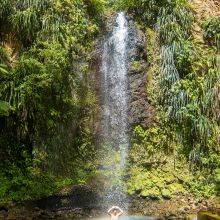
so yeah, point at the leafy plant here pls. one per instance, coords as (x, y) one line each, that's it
(184, 93)
(212, 31)
(45, 97)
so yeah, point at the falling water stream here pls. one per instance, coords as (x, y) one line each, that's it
(115, 101)
(114, 84)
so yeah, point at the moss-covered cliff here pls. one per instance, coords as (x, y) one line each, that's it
(178, 154)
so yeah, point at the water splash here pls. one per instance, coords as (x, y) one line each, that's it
(115, 101)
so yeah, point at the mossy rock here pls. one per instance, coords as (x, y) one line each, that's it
(208, 216)
(191, 217)
(166, 193)
(176, 188)
(169, 178)
(137, 66)
(158, 181)
(153, 193)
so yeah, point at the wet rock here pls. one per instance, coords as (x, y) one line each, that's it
(3, 208)
(166, 194)
(36, 209)
(46, 215)
(3, 214)
(208, 216)
(140, 110)
(171, 217)
(191, 217)
(183, 210)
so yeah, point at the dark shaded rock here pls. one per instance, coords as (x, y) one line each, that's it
(174, 217)
(3, 208)
(46, 215)
(77, 196)
(140, 110)
(3, 214)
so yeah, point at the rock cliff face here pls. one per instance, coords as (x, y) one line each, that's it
(140, 110)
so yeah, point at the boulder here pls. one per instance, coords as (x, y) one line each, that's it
(208, 216)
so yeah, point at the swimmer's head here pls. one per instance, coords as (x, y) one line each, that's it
(115, 211)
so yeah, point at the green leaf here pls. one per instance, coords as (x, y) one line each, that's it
(4, 108)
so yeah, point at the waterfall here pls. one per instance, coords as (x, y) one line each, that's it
(115, 101)
(114, 87)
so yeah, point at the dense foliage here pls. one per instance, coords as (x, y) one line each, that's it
(45, 99)
(186, 73)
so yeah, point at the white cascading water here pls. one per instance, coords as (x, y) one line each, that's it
(114, 85)
(115, 100)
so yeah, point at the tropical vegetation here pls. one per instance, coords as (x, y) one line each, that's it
(47, 102)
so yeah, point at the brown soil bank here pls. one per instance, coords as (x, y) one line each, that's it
(82, 201)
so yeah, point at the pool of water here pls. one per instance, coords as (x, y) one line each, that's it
(133, 218)
(127, 218)
(138, 218)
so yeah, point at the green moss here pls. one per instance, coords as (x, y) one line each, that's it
(151, 46)
(176, 188)
(212, 31)
(153, 193)
(166, 193)
(168, 181)
(136, 66)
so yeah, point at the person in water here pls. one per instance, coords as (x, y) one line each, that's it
(115, 212)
